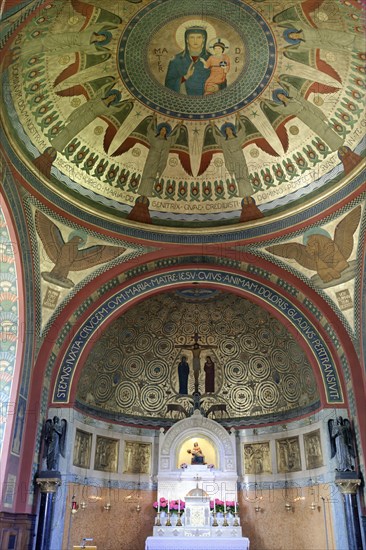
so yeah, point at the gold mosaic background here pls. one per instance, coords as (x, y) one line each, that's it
(259, 367)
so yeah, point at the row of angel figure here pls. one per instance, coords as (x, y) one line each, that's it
(162, 139)
(289, 100)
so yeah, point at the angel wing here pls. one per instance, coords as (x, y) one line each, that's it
(94, 255)
(139, 135)
(47, 435)
(63, 437)
(277, 121)
(348, 437)
(208, 149)
(299, 13)
(307, 57)
(115, 121)
(333, 448)
(50, 236)
(294, 251)
(181, 147)
(94, 14)
(343, 234)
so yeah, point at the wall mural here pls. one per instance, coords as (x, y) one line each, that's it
(243, 362)
(224, 111)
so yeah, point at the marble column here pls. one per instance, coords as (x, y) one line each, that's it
(348, 484)
(48, 483)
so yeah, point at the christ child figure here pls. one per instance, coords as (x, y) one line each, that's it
(219, 65)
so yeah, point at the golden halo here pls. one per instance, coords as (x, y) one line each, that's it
(179, 35)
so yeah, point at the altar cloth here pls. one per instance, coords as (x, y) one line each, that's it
(196, 543)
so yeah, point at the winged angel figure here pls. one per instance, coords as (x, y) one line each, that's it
(67, 256)
(341, 442)
(327, 256)
(161, 139)
(54, 441)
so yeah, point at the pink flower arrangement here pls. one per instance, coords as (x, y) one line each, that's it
(174, 505)
(219, 505)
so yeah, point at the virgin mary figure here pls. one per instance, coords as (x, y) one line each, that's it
(186, 73)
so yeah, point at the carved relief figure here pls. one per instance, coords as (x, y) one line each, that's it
(82, 449)
(69, 256)
(257, 458)
(327, 256)
(137, 458)
(106, 454)
(288, 455)
(313, 450)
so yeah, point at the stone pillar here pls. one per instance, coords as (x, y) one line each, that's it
(48, 483)
(348, 484)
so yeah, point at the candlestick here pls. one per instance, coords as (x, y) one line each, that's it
(168, 504)
(225, 503)
(178, 504)
(214, 505)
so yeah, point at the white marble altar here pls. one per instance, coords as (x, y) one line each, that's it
(198, 485)
(194, 543)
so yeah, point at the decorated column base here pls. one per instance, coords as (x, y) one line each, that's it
(348, 483)
(48, 483)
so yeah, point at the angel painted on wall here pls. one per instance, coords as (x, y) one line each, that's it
(161, 140)
(341, 442)
(230, 139)
(68, 256)
(327, 256)
(54, 441)
(105, 103)
(289, 102)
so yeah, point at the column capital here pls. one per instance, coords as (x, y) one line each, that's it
(49, 484)
(348, 486)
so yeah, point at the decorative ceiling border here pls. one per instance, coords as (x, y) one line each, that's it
(250, 287)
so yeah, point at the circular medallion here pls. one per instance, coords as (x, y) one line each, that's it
(193, 65)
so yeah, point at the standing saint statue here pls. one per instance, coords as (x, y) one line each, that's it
(183, 373)
(209, 369)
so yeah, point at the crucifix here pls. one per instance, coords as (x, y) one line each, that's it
(196, 349)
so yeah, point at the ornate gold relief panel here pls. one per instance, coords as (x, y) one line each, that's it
(137, 458)
(257, 458)
(313, 450)
(288, 455)
(82, 449)
(106, 454)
